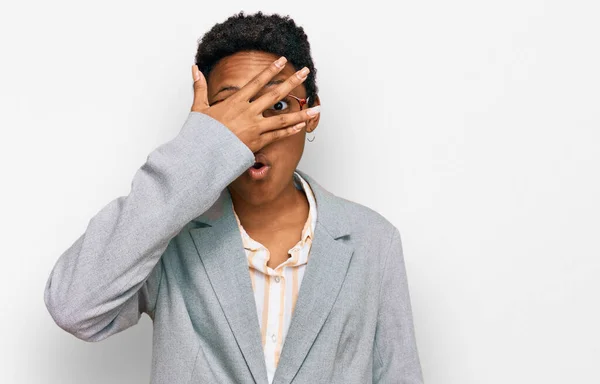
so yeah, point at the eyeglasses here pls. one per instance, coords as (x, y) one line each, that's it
(283, 106)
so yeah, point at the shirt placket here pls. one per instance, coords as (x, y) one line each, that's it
(274, 319)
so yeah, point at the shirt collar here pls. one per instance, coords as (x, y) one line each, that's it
(309, 226)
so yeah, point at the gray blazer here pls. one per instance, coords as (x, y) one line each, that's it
(172, 249)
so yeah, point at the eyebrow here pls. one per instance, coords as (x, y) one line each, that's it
(236, 88)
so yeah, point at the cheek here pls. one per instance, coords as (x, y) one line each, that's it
(290, 148)
(286, 153)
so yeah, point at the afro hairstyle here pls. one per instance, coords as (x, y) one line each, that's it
(258, 32)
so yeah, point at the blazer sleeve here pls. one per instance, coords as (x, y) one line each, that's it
(395, 355)
(110, 275)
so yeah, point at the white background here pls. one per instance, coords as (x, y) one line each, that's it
(472, 125)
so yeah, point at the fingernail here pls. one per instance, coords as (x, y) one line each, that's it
(313, 111)
(303, 72)
(280, 62)
(195, 72)
(299, 126)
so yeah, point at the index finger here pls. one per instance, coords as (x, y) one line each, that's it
(259, 81)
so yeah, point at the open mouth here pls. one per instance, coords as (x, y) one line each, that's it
(260, 160)
(260, 168)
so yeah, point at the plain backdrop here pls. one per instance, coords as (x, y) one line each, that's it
(471, 125)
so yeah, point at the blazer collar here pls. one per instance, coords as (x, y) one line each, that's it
(219, 244)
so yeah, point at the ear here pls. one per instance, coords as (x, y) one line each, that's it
(311, 124)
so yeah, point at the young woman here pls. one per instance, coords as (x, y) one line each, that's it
(251, 271)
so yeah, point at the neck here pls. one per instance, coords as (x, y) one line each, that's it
(289, 208)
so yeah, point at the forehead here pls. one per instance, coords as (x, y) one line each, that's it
(238, 69)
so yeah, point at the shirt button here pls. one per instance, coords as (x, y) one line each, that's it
(277, 279)
(273, 337)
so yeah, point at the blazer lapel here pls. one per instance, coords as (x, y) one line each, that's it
(219, 244)
(325, 272)
(222, 253)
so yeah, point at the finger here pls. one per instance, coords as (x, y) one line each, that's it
(200, 90)
(279, 92)
(289, 119)
(259, 81)
(269, 137)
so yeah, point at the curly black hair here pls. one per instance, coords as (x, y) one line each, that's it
(268, 33)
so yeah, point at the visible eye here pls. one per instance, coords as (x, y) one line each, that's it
(281, 105)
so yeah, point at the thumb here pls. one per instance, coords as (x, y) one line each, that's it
(200, 90)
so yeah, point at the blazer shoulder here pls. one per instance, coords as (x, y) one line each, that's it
(371, 232)
(366, 220)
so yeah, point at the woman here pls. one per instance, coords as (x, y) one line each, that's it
(232, 251)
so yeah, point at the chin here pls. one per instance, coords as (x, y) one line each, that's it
(254, 192)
